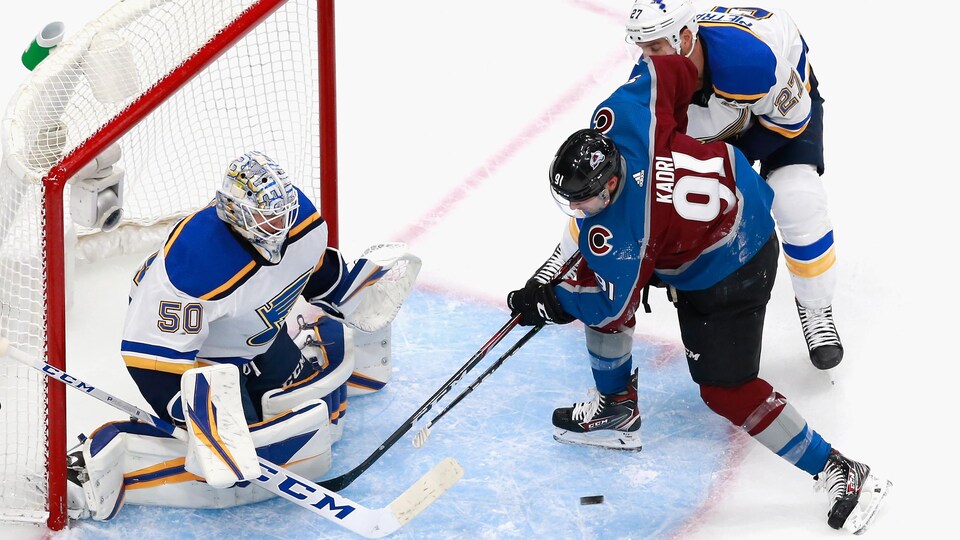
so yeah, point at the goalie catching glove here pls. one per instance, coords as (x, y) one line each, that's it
(537, 305)
(369, 294)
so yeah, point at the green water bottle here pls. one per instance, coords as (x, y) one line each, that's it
(47, 39)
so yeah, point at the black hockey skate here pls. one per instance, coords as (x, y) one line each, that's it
(823, 342)
(76, 468)
(76, 476)
(606, 420)
(854, 494)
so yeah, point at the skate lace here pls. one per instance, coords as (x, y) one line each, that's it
(832, 480)
(818, 327)
(587, 409)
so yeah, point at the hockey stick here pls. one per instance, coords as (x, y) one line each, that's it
(345, 479)
(367, 522)
(421, 438)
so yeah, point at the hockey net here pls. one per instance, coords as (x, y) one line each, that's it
(183, 86)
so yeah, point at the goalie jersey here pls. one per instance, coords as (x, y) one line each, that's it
(689, 212)
(208, 297)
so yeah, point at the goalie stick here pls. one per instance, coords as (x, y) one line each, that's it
(367, 522)
(345, 479)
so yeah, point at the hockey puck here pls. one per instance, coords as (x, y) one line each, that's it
(593, 499)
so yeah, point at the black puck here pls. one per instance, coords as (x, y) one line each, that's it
(593, 499)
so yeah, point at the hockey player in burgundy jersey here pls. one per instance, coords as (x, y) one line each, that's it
(757, 91)
(651, 202)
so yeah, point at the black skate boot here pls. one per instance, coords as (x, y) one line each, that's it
(607, 421)
(76, 475)
(76, 468)
(854, 494)
(823, 342)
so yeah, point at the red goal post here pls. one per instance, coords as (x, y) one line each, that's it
(183, 86)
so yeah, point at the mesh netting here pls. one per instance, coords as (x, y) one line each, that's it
(261, 94)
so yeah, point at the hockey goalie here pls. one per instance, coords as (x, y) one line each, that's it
(248, 331)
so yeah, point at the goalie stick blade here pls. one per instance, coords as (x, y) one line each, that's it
(367, 522)
(426, 490)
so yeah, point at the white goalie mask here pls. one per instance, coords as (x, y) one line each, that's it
(651, 20)
(259, 202)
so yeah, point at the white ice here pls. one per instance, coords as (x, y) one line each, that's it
(448, 116)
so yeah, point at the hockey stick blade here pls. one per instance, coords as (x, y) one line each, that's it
(367, 522)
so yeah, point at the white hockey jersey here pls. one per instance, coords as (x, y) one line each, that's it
(207, 297)
(756, 61)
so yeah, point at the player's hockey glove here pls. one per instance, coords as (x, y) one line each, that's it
(537, 304)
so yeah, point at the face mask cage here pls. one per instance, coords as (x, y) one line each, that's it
(258, 201)
(267, 224)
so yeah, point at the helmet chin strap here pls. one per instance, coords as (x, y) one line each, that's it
(692, 47)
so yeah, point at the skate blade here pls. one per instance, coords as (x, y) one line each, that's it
(858, 521)
(613, 440)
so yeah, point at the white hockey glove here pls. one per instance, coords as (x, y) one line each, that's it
(374, 287)
(219, 446)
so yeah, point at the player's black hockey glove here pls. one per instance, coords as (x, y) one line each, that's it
(537, 305)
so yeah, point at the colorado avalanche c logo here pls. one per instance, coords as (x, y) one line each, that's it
(598, 238)
(603, 120)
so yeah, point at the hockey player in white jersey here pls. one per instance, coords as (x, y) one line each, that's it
(207, 343)
(758, 92)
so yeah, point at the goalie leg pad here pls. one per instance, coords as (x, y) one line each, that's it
(220, 448)
(103, 487)
(152, 470)
(372, 361)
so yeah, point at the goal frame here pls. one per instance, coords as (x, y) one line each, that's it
(54, 188)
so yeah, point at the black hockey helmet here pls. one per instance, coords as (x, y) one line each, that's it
(583, 165)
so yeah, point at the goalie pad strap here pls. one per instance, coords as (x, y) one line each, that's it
(317, 385)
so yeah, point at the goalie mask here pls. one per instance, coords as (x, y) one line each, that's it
(651, 20)
(259, 202)
(580, 170)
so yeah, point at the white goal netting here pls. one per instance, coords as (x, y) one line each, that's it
(260, 94)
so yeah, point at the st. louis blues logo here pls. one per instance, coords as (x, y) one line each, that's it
(598, 237)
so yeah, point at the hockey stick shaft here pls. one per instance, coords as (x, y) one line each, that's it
(340, 482)
(367, 522)
(421, 437)
(345, 479)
